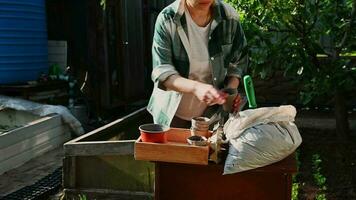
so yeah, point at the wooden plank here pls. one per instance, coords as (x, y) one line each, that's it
(191, 182)
(16, 118)
(287, 165)
(29, 130)
(69, 172)
(112, 125)
(172, 153)
(28, 155)
(178, 135)
(157, 181)
(289, 185)
(117, 172)
(176, 150)
(107, 194)
(32, 142)
(121, 147)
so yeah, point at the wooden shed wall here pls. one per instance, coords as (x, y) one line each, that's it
(113, 45)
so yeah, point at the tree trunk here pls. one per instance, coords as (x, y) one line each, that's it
(341, 116)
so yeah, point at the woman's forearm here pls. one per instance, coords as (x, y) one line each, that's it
(204, 92)
(180, 84)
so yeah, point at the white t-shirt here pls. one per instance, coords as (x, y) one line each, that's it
(200, 68)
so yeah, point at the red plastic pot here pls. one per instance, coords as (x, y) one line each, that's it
(153, 133)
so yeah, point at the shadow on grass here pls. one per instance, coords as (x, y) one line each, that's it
(327, 167)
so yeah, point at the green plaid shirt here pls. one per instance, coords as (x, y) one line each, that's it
(226, 46)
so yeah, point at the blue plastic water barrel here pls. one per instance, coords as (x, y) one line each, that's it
(23, 40)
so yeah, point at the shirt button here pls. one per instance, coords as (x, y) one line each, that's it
(214, 78)
(209, 37)
(212, 58)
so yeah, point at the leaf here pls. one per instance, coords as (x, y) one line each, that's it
(103, 4)
(287, 35)
(306, 97)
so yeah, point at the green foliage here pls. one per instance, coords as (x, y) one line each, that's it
(82, 197)
(290, 35)
(319, 178)
(295, 191)
(103, 4)
(320, 197)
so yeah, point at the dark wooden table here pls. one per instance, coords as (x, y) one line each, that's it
(194, 182)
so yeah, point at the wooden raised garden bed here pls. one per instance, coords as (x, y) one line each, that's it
(24, 136)
(101, 163)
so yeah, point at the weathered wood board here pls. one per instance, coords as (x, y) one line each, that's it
(101, 163)
(176, 150)
(31, 137)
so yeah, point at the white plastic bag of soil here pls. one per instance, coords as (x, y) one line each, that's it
(259, 137)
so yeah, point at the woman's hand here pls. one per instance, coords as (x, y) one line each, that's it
(208, 94)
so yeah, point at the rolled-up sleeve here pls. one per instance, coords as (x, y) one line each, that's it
(162, 66)
(239, 59)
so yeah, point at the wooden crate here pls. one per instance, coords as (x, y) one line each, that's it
(176, 150)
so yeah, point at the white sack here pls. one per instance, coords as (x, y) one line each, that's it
(42, 110)
(260, 137)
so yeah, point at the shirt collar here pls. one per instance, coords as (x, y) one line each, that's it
(218, 9)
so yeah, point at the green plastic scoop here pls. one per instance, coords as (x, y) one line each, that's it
(250, 91)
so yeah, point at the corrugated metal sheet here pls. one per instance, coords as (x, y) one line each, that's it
(23, 40)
